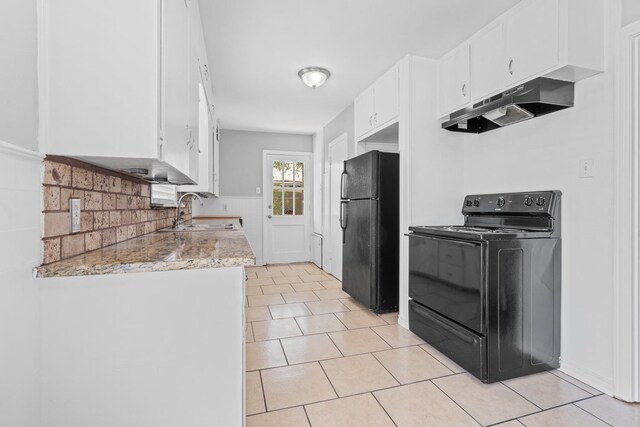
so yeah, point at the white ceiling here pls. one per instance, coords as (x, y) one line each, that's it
(256, 48)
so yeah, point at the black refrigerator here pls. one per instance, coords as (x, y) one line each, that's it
(370, 222)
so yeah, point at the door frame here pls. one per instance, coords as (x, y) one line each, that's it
(341, 138)
(308, 200)
(626, 289)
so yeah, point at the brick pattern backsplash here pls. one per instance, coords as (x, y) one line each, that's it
(114, 208)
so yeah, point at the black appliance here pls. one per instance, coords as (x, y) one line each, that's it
(532, 99)
(487, 293)
(369, 218)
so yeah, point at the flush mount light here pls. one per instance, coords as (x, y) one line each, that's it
(314, 76)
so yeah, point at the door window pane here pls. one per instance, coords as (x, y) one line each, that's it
(288, 188)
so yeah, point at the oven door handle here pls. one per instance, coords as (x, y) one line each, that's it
(460, 242)
(423, 312)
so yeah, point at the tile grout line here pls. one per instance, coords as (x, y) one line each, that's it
(525, 398)
(456, 403)
(593, 415)
(436, 359)
(385, 368)
(384, 409)
(329, 379)
(575, 385)
(334, 343)
(286, 359)
(264, 395)
(306, 414)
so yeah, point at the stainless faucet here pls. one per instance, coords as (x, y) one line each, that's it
(178, 221)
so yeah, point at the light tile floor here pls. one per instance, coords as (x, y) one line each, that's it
(316, 357)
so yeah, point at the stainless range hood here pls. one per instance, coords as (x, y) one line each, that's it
(528, 100)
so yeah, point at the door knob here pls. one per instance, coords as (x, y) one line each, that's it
(269, 216)
(269, 207)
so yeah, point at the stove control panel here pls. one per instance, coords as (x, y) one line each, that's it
(533, 203)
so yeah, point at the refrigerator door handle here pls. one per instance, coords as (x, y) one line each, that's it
(342, 180)
(343, 219)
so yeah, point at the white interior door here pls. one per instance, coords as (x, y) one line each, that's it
(287, 213)
(337, 156)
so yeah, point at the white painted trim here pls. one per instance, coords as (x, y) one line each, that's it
(328, 239)
(626, 333)
(42, 19)
(8, 148)
(308, 190)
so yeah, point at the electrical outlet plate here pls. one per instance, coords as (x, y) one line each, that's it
(74, 214)
(586, 168)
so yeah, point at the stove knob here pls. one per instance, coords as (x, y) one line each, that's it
(528, 201)
(540, 201)
(469, 203)
(476, 203)
(500, 202)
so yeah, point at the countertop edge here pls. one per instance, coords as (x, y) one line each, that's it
(43, 272)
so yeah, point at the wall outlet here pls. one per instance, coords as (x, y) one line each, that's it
(258, 190)
(586, 168)
(74, 214)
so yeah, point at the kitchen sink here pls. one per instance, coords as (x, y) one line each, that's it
(201, 227)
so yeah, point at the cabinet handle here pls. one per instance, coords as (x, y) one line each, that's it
(511, 67)
(464, 90)
(375, 117)
(370, 121)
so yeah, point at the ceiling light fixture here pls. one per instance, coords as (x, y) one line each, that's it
(314, 76)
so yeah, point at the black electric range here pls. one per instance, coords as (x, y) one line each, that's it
(487, 293)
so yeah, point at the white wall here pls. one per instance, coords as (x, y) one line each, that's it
(18, 75)
(143, 349)
(241, 158)
(630, 11)
(318, 170)
(248, 208)
(20, 251)
(342, 123)
(543, 154)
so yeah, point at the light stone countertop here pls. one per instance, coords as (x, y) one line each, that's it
(160, 251)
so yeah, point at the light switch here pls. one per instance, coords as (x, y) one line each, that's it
(74, 214)
(586, 168)
(258, 190)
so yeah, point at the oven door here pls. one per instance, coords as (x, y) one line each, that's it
(447, 277)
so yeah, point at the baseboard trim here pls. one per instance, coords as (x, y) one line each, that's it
(587, 376)
(403, 322)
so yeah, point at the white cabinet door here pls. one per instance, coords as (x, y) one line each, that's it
(363, 111)
(386, 97)
(454, 80)
(532, 40)
(488, 73)
(216, 158)
(195, 84)
(175, 84)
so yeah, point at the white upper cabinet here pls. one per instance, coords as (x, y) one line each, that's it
(364, 109)
(116, 85)
(559, 39)
(454, 86)
(379, 104)
(487, 63)
(386, 97)
(175, 91)
(532, 40)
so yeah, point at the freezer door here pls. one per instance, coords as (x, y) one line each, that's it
(359, 266)
(360, 176)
